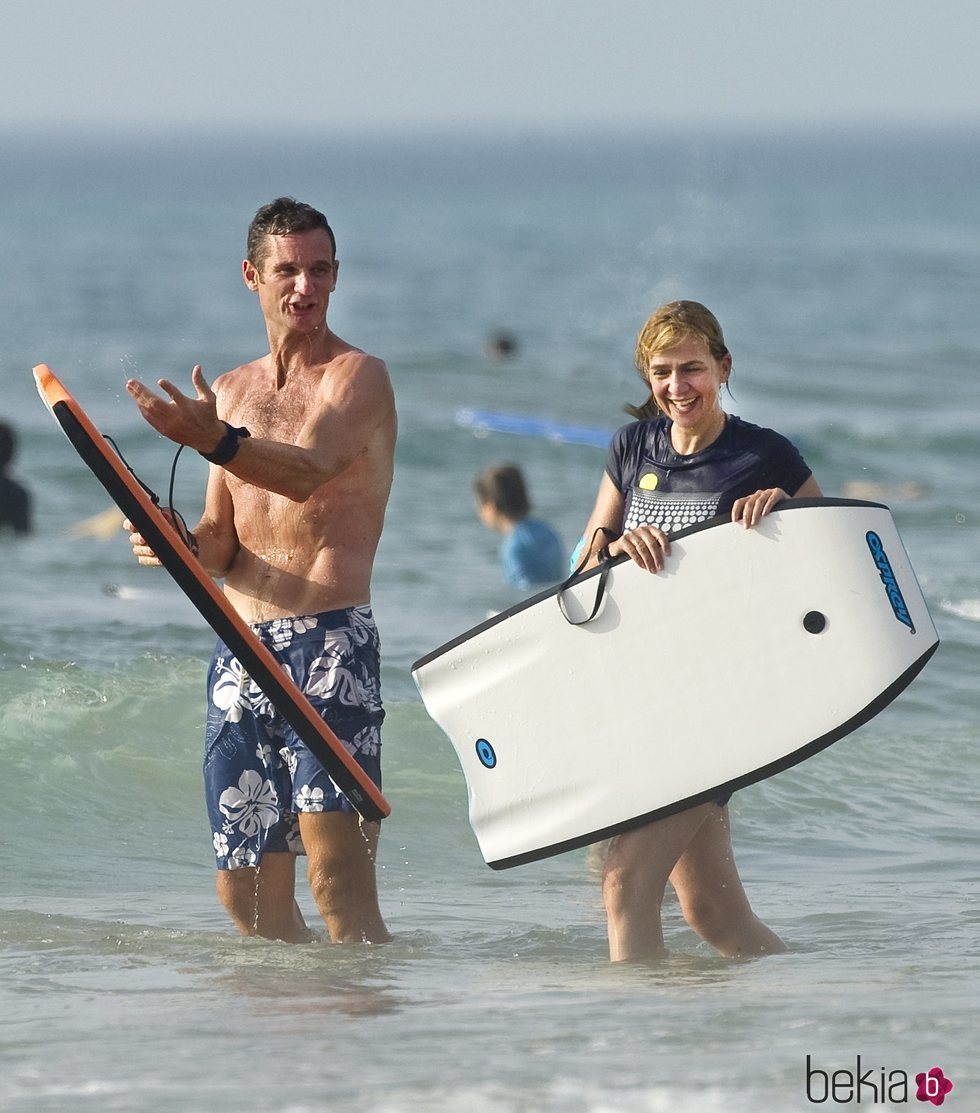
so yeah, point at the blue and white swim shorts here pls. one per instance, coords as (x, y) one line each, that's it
(258, 775)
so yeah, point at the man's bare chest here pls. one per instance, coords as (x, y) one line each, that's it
(275, 415)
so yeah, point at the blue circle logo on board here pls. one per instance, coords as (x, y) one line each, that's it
(485, 752)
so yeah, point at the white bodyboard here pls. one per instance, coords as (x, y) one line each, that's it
(752, 650)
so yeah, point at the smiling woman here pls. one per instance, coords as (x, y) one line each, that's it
(686, 387)
(681, 354)
(688, 459)
(683, 462)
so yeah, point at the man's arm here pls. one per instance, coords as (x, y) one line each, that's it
(215, 536)
(354, 400)
(213, 540)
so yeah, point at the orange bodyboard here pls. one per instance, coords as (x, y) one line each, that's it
(190, 575)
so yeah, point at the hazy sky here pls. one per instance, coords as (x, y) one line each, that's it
(382, 65)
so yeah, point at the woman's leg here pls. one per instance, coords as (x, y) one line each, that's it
(634, 877)
(710, 891)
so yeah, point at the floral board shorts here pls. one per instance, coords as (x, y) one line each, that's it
(258, 775)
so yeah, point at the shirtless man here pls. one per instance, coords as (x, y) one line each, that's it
(301, 443)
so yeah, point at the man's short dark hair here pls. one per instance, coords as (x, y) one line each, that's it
(283, 217)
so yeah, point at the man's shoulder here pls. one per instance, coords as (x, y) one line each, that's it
(356, 360)
(355, 373)
(239, 377)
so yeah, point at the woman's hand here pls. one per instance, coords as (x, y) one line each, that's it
(753, 508)
(646, 546)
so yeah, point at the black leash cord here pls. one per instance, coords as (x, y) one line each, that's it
(604, 558)
(178, 519)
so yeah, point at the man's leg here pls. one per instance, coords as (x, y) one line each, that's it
(262, 901)
(341, 851)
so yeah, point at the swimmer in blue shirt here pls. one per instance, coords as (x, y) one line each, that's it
(531, 553)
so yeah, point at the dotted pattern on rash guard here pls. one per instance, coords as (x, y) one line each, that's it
(669, 512)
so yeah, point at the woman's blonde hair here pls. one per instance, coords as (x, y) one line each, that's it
(664, 328)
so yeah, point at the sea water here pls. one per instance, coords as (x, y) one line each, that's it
(846, 271)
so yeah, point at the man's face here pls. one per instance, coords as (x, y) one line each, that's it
(294, 279)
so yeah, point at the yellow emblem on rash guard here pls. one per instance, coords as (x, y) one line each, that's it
(649, 481)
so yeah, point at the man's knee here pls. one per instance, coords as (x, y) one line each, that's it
(238, 892)
(262, 901)
(340, 862)
(336, 880)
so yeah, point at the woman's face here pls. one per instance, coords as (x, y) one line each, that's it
(686, 382)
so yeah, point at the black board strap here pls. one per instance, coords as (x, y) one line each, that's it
(600, 590)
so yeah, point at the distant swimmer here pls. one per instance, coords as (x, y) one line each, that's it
(501, 345)
(531, 553)
(15, 500)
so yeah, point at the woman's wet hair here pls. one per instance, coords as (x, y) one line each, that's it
(666, 327)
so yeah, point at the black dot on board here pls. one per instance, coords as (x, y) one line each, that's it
(814, 622)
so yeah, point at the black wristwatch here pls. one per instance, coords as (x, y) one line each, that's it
(228, 445)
